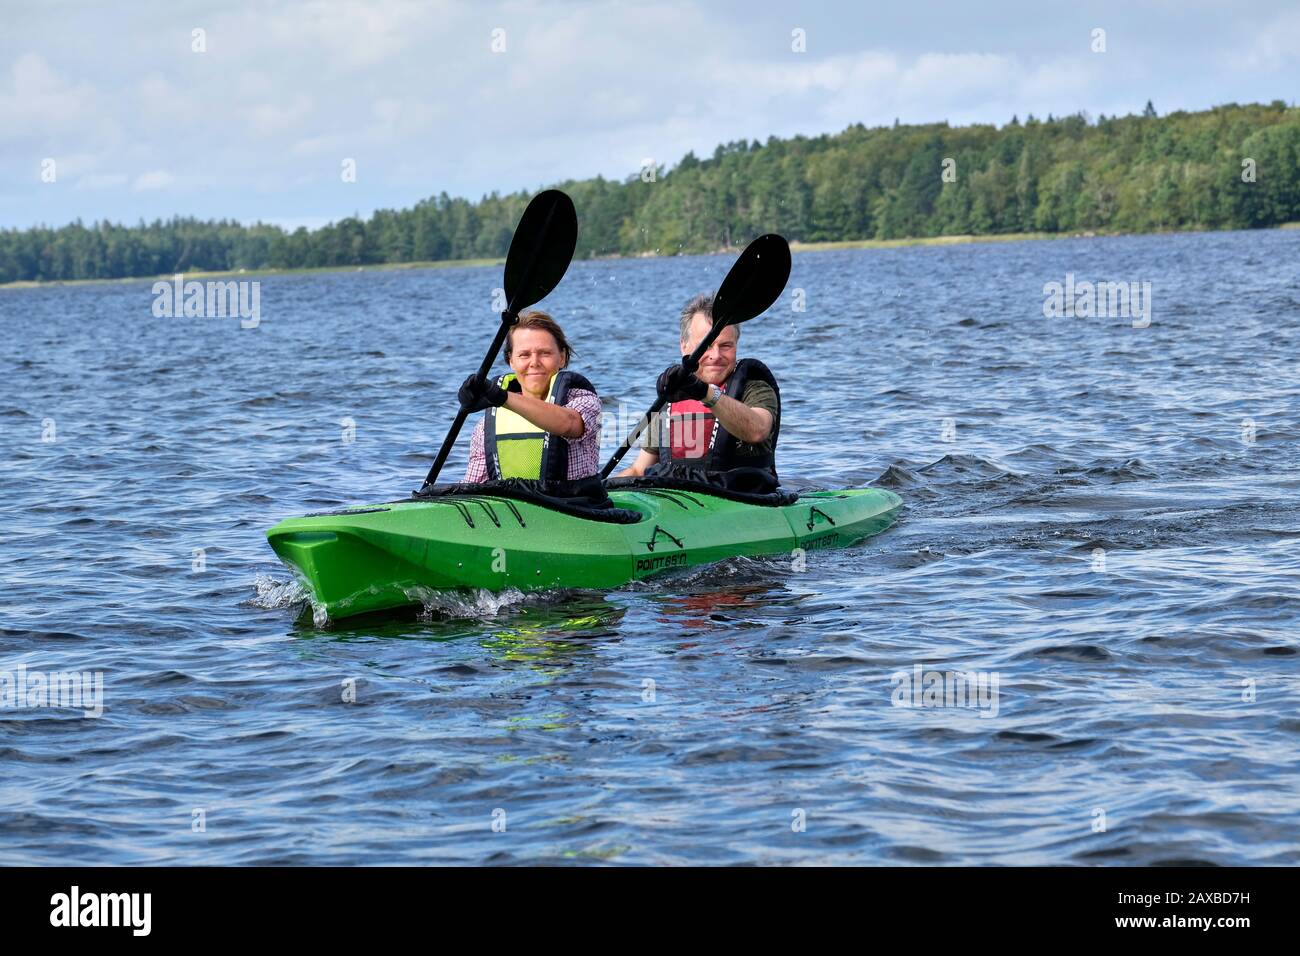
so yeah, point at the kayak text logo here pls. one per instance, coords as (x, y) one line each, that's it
(103, 909)
(209, 300)
(977, 690)
(1102, 300)
(79, 690)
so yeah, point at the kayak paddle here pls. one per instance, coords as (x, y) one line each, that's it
(540, 253)
(751, 287)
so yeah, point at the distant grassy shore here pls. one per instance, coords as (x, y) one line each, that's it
(472, 263)
(932, 241)
(999, 237)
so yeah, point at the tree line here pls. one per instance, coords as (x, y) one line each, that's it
(1234, 166)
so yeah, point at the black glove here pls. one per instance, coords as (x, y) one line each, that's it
(477, 396)
(676, 384)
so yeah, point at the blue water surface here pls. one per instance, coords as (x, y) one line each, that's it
(1100, 516)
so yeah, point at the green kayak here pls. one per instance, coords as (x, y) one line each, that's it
(377, 557)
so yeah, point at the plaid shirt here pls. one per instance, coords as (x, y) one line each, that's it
(584, 452)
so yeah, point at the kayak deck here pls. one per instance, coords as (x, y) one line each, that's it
(385, 556)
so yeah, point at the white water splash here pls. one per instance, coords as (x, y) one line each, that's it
(476, 605)
(277, 593)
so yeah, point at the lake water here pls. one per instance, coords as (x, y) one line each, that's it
(1100, 517)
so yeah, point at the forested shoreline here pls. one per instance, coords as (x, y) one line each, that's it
(1233, 166)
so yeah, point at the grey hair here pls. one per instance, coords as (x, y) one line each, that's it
(700, 303)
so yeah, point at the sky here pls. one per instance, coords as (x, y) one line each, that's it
(255, 116)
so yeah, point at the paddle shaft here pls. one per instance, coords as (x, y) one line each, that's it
(690, 363)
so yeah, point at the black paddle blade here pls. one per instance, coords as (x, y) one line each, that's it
(541, 249)
(756, 280)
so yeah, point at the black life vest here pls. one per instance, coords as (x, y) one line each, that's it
(689, 431)
(513, 447)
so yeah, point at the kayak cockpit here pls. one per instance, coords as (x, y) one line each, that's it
(584, 499)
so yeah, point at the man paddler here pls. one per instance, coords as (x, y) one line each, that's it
(726, 415)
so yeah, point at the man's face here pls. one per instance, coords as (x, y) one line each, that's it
(716, 364)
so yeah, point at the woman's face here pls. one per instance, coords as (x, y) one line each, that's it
(535, 358)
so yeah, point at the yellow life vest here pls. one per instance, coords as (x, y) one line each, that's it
(516, 448)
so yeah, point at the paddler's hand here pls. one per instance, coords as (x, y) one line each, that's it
(478, 395)
(676, 384)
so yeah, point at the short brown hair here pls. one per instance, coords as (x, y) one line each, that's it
(537, 319)
(700, 303)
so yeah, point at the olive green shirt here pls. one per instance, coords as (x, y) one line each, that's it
(759, 395)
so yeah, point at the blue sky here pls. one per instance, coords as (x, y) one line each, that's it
(258, 126)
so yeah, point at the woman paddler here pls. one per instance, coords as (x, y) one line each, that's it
(542, 421)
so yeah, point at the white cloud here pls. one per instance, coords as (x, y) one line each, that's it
(944, 77)
(38, 102)
(101, 181)
(345, 34)
(1275, 46)
(154, 179)
(278, 118)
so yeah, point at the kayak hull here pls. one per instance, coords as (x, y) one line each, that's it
(379, 557)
